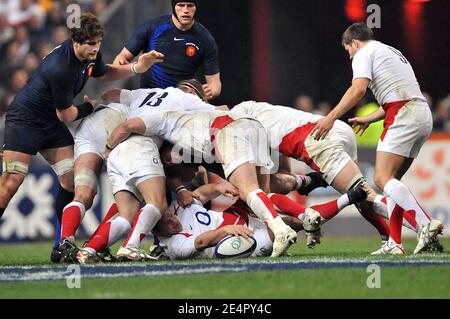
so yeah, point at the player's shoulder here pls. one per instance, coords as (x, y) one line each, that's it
(154, 23)
(202, 31)
(60, 61)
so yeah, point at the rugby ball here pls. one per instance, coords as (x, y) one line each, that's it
(232, 247)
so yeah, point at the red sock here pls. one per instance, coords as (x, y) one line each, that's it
(99, 240)
(113, 210)
(287, 205)
(410, 216)
(327, 210)
(395, 224)
(366, 210)
(71, 219)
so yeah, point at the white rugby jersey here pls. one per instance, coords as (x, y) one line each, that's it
(188, 129)
(277, 120)
(195, 220)
(119, 107)
(148, 100)
(391, 75)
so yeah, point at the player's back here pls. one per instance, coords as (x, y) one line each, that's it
(391, 74)
(277, 120)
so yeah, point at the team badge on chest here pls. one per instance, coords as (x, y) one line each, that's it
(191, 49)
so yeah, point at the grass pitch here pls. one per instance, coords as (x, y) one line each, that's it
(335, 269)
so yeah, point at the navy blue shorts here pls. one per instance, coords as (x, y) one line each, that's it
(29, 139)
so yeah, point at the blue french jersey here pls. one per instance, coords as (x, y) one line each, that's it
(184, 51)
(54, 84)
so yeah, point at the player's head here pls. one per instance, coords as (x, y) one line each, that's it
(168, 225)
(192, 86)
(88, 37)
(355, 37)
(184, 11)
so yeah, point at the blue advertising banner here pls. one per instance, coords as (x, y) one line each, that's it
(31, 213)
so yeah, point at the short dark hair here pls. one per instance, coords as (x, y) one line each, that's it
(193, 84)
(357, 31)
(90, 28)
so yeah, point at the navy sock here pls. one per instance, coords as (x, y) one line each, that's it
(57, 234)
(64, 197)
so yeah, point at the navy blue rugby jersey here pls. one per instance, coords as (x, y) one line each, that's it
(185, 51)
(54, 84)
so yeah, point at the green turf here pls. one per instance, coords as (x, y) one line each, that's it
(396, 282)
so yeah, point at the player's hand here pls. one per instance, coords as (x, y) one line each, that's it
(111, 95)
(121, 60)
(185, 198)
(323, 126)
(227, 190)
(360, 123)
(146, 60)
(237, 230)
(208, 92)
(88, 99)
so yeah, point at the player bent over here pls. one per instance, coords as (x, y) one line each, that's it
(90, 141)
(239, 142)
(136, 175)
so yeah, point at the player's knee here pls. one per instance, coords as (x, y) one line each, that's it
(64, 171)
(14, 167)
(85, 195)
(380, 179)
(11, 183)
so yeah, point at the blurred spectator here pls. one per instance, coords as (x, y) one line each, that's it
(22, 38)
(304, 103)
(10, 62)
(36, 27)
(43, 49)
(441, 115)
(22, 10)
(59, 35)
(18, 80)
(98, 7)
(56, 16)
(6, 31)
(323, 108)
(30, 63)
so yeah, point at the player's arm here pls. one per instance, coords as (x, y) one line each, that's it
(124, 57)
(61, 84)
(212, 237)
(119, 72)
(213, 86)
(208, 192)
(124, 130)
(135, 45)
(363, 122)
(353, 94)
(76, 112)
